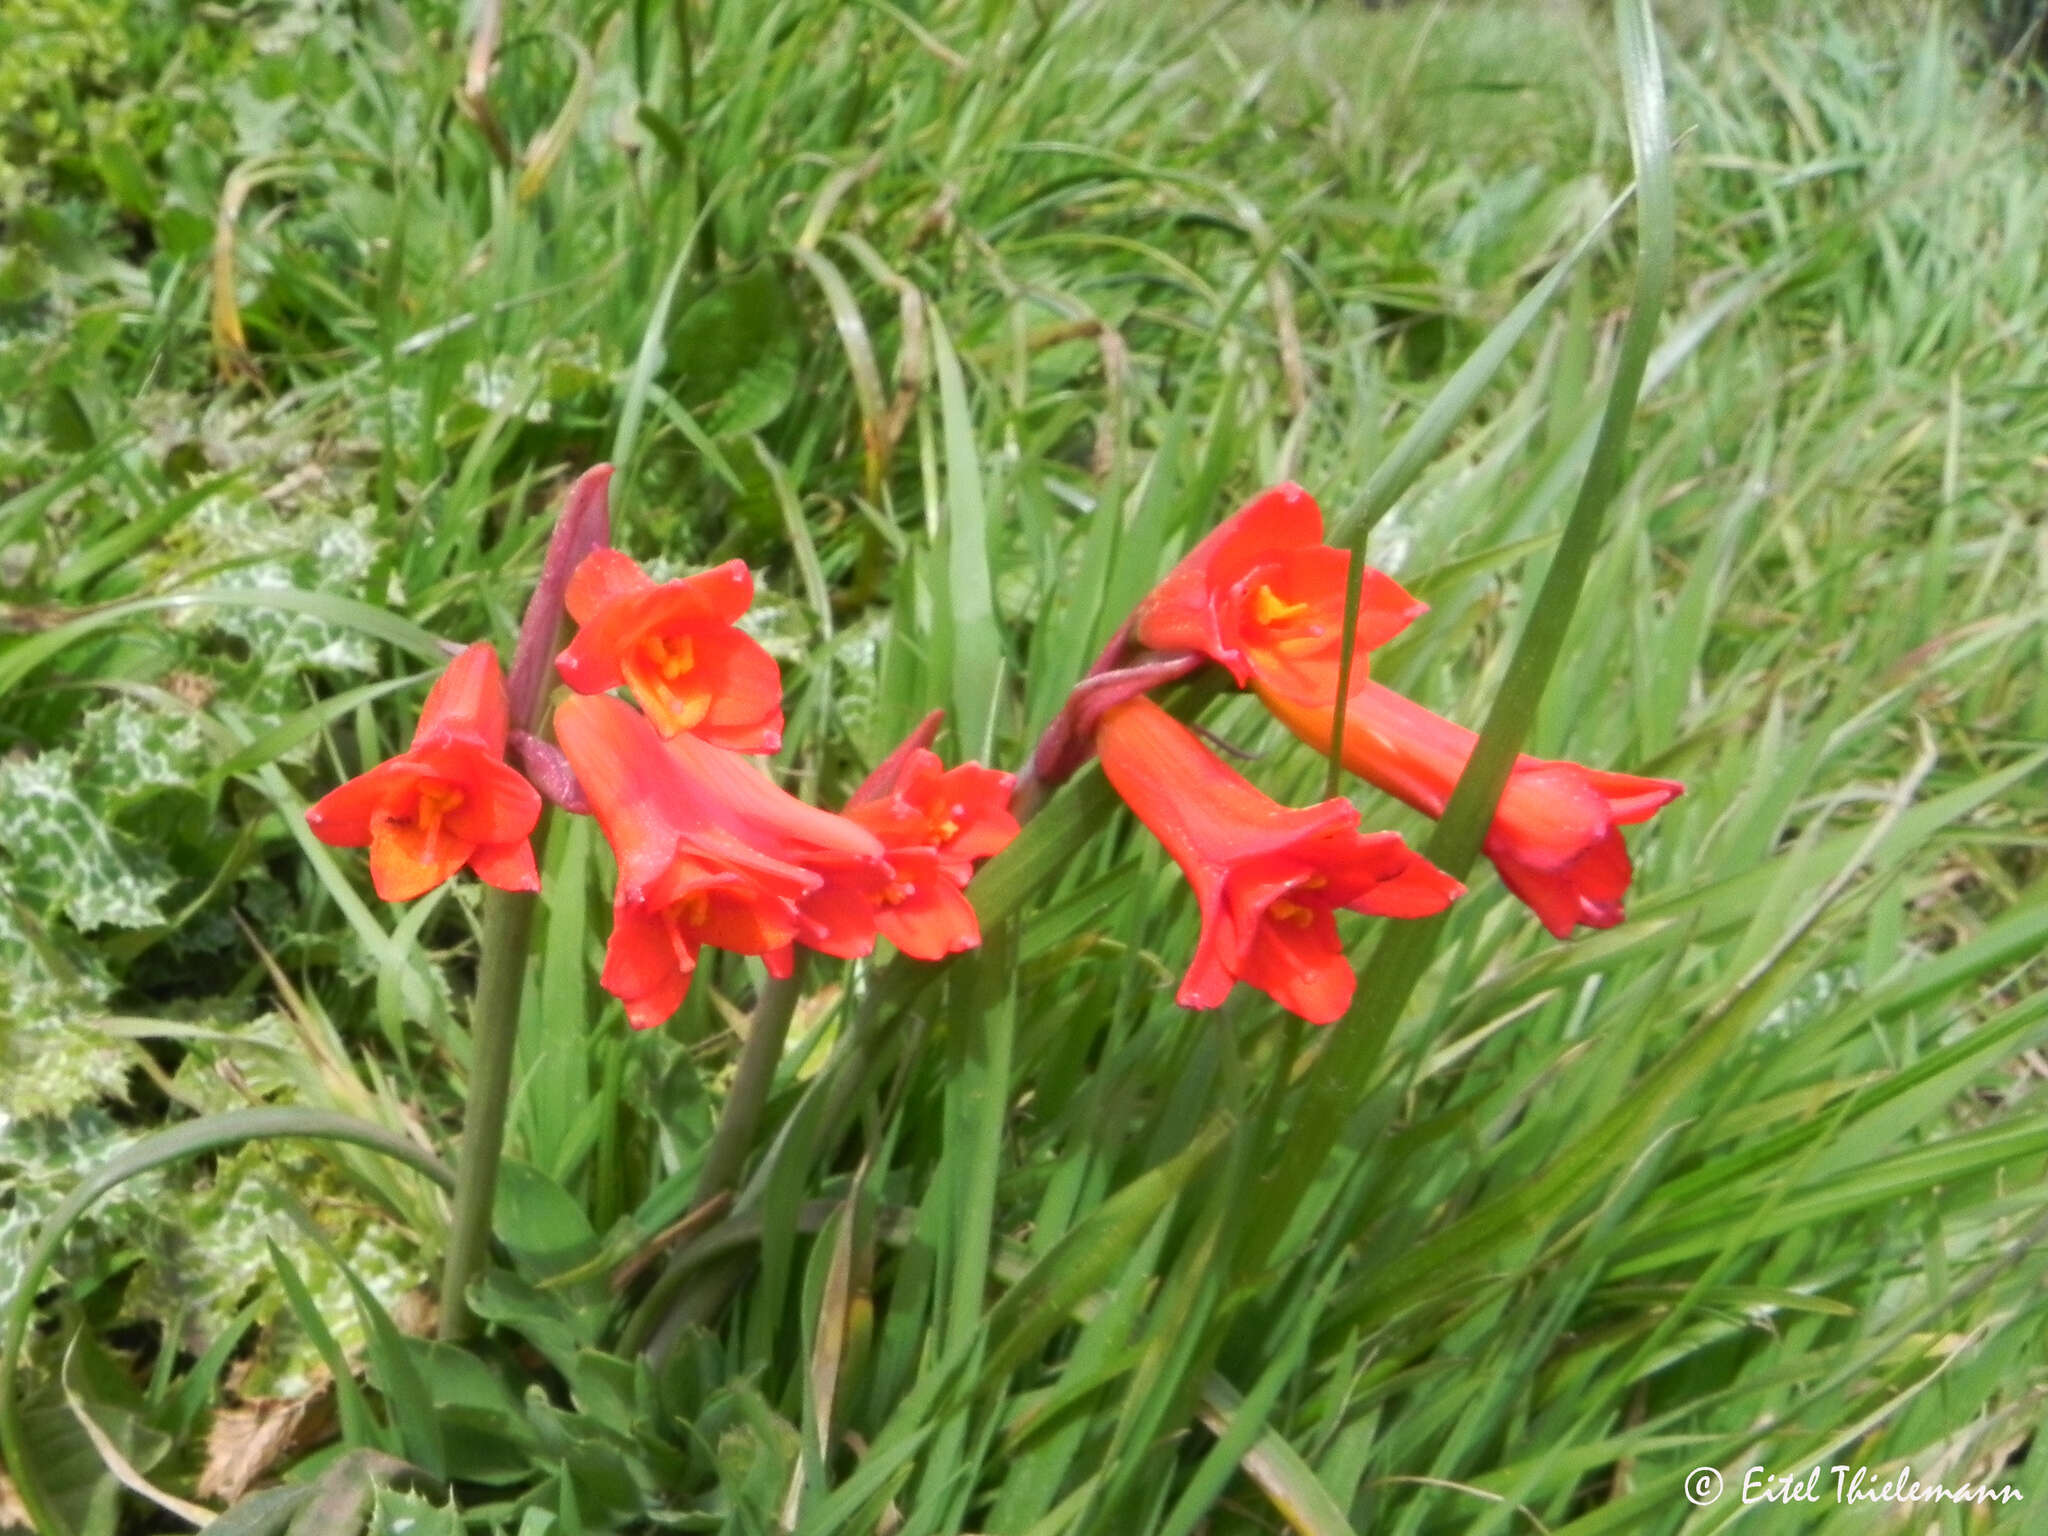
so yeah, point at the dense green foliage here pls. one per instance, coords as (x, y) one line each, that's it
(957, 320)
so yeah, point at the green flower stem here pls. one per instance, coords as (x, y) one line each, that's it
(732, 1139)
(739, 1119)
(739, 1122)
(584, 525)
(999, 889)
(494, 1031)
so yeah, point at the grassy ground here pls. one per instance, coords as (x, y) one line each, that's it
(956, 321)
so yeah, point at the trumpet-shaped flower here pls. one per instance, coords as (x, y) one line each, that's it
(934, 823)
(1556, 833)
(1264, 596)
(448, 801)
(686, 879)
(675, 646)
(837, 918)
(1267, 879)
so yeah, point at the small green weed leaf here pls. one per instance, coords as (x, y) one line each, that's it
(734, 352)
(407, 1514)
(546, 1321)
(64, 855)
(539, 1221)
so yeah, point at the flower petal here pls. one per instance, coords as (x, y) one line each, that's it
(932, 920)
(342, 817)
(467, 703)
(604, 576)
(1555, 836)
(745, 686)
(508, 866)
(1184, 612)
(1302, 968)
(645, 966)
(406, 861)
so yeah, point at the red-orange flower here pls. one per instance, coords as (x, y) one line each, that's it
(1556, 834)
(1267, 878)
(674, 644)
(685, 879)
(450, 800)
(934, 823)
(1264, 596)
(838, 918)
(962, 813)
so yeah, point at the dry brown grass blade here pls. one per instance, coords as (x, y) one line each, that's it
(828, 1353)
(675, 1233)
(230, 344)
(247, 1440)
(13, 1515)
(123, 1470)
(472, 97)
(912, 358)
(547, 149)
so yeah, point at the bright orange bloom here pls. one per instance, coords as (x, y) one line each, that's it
(685, 878)
(1556, 834)
(962, 813)
(1267, 878)
(675, 646)
(1264, 596)
(935, 822)
(838, 918)
(450, 800)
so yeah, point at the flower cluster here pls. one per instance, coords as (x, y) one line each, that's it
(1263, 596)
(710, 850)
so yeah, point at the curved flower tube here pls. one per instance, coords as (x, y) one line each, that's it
(1264, 596)
(1556, 834)
(447, 802)
(1268, 879)
(675, 646)
(685, 878)
(837, 918)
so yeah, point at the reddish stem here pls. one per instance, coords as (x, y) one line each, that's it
(549, 772)
(585, 524)
(1069, 741)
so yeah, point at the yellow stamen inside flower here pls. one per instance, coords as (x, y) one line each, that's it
(1269, 608)
(1289, 912)
(695, 908)
(945, 830)
(652, 670)
(895, 893)
(436, 801)
(673, 657)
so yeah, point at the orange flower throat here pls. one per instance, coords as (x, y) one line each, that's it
(1292, 635)
(1269, 608)
(653, 669)
(436, 801)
